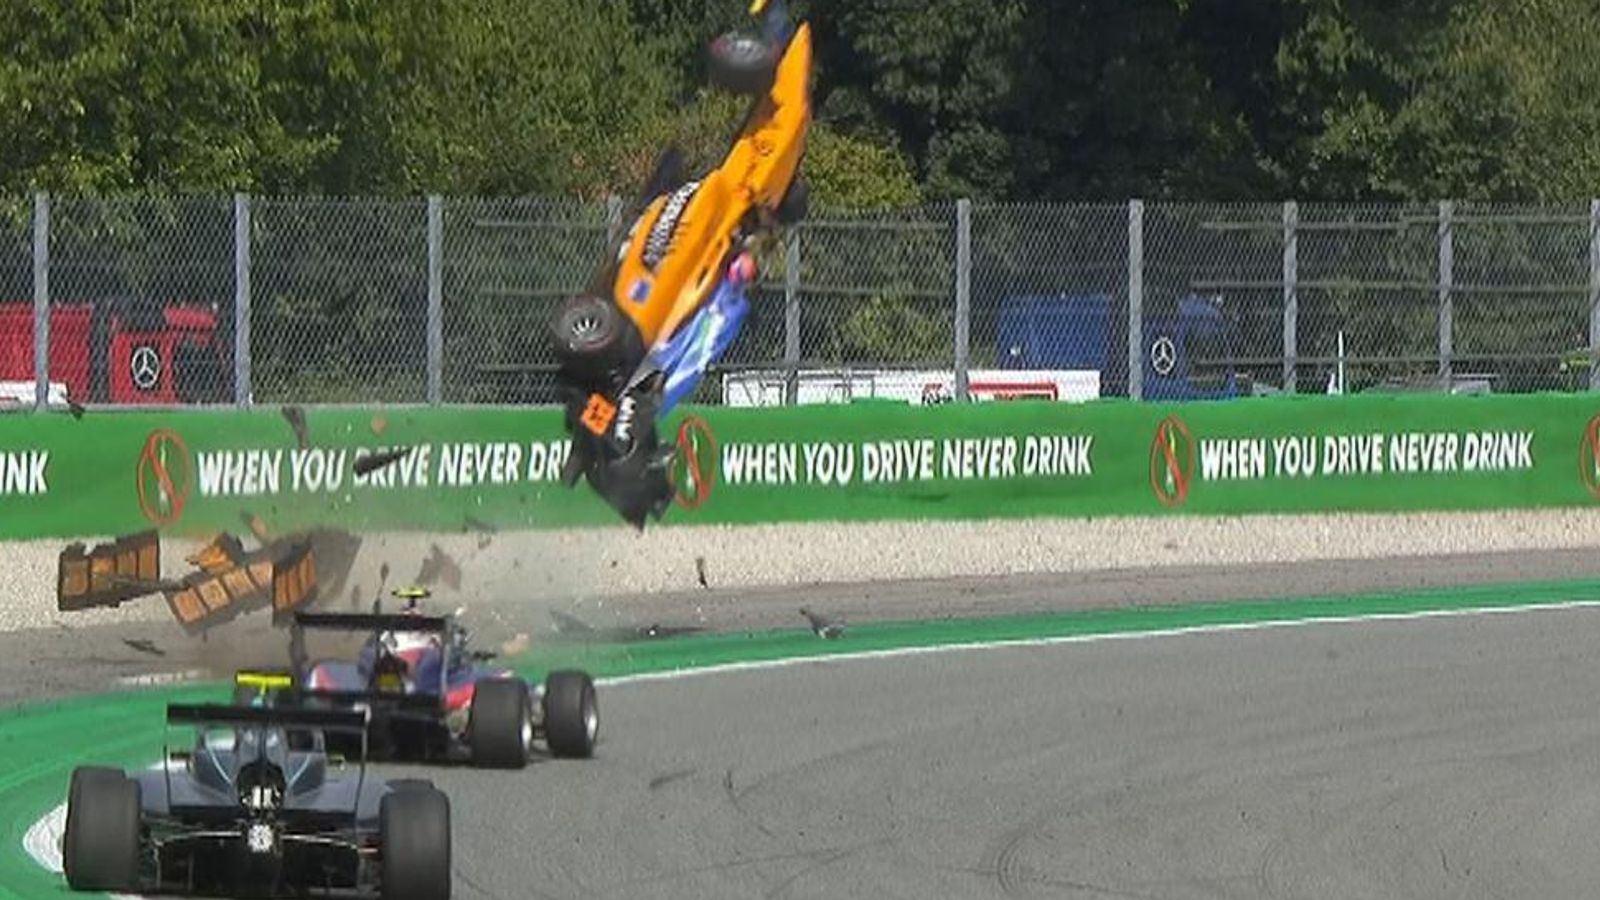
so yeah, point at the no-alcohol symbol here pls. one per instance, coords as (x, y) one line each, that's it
(164, 477)
(1589, 456)
(694, 466)
(1171, 461)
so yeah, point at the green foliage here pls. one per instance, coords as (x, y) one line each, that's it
(857, 173)
(892, 330)
(992, 99)
(506, 101)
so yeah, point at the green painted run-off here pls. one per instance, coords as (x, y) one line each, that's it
(40, 743)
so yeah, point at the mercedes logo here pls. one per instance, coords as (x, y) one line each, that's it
(1163, 355)
(146, 367)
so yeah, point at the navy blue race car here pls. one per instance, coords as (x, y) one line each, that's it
(257, 805)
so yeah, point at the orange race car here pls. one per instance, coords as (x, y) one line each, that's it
(673, 298)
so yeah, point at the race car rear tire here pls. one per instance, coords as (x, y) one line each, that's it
(571, 715)
(592, 338)
(100, 849)
(500, 726)
(414, 836)
(742, 63)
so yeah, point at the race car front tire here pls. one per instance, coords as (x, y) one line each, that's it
(414, 836)
(500, 726)
(571, 715)
(742, 63)
(592, 338)
(100, 849)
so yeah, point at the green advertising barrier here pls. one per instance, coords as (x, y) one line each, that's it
(1037, 458)
(498, 468)
(199, 472)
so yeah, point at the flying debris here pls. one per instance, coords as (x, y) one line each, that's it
(297, 421)
(366, 465)
(826, 627)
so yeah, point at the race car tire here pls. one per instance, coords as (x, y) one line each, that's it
(414, 836)
(796, 203)
(592, 338)
(742, 63)
(500, 724)
(100, 847)
(571, 715)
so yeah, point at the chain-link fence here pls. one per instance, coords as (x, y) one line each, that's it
(507, 265)
(17, 373)
(192, 300)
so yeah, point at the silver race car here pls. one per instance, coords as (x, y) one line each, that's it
(257, 806)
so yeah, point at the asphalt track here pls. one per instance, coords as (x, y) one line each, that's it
(53, 662)
(1438, 757)
(1426, 757)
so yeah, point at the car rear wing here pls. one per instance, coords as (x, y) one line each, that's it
(288, 717)
(282, 685)
(371, 622)
(263, 680)
(374, 623)
(265, 717)
(428, 703)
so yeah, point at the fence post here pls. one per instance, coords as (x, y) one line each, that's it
(41, 300)
(435, 299)
(1135, 299)
(963, 329)
(1447, 313)
(791, 318)
(1291, 293)
(613, 219)
(1594, 295)
(241, 299)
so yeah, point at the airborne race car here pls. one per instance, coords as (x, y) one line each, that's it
(673, 299)
(430, 695)
(256, 807)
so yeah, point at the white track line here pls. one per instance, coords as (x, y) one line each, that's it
(43, 839)
(1220, 628)
(154, 679)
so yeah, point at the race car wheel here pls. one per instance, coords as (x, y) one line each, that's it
(100, 850)
(742, 63)
(571, 716)
(414, 833)
(500, 727)
(796, 203)
(592, 338)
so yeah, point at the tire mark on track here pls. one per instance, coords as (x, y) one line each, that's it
(526, 890)
(1034, 878)
(822, 860)
(737, 797)
(734, 800)
(811, 856)
(666, 778)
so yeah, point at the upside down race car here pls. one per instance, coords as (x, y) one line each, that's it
(673, 298)
(431, 697)
(257, 807)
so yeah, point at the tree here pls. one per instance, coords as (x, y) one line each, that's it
(503, 102)
(1024, 99)
(1505, 106)
(163, 93)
